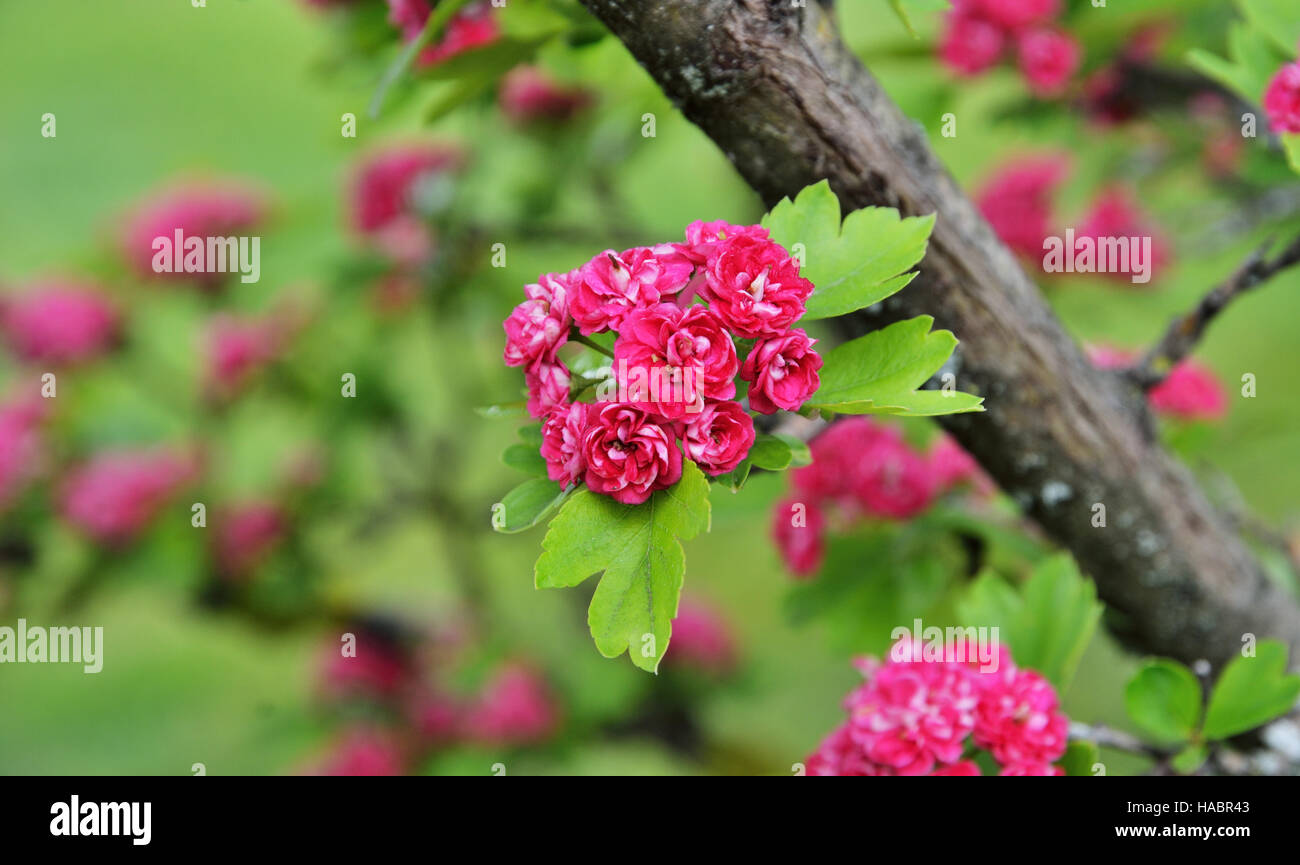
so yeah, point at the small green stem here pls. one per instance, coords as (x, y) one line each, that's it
(591, 343)
(433, 27)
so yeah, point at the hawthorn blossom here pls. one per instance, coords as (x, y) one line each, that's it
(969, 44)
(529, 96)
(208, 209)
(782, 371)
(537, 328)
(914, 716)
(613, 284)
(362, 751)
(628, 454)
(22, 449)
(238, 348)
(1190, 391)
(382, 193)
(548, 387)
(754, 287)
(243, 537)
(799, 531)
(115, 495)
(59, 322)
(470, 28)
(1017, 201)
(701, 640)
(1018, 718)
(1114, 214)
(719, 437)
(1282, 100)
(703, 237)
(515, 708)
(668, 360)
(378, 671)
(1048, 58)
(562, 434)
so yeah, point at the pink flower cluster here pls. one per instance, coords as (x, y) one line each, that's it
(244, 535)
(470, 28)
(1282, 100)
(362, 751)
(238, 347)
(195, 210)
(59, 323)
(1191, 391)
(114, 496)
(381, 194)
(864, 469)
(21, 446)
(979, 33)
(513, 707)
(1018, 201)
(675, 361)
(914, 716)
(529, 96)
(702, 641)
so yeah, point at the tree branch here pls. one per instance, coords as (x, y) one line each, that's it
(1185, 331)
(776, 89)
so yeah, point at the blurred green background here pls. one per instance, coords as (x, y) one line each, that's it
(151, 90)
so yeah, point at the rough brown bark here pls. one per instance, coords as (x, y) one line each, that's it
(772, 84)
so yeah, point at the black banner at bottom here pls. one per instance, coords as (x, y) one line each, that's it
(218, 815)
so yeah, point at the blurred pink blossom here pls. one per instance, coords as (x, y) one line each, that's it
(61, 322)
(115, 495)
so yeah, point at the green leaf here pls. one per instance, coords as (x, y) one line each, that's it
(1189, 759)
(734, 480)
(1164, 699)
(901, 8)
(1276, 19)
(1080, 757)
(525, 458)
(1291, 143)
(1255, 59)
(1251, 692)
(800, 453)
(527, 505)
(1047, 624)
(453, 95)
(637, 550)
(871, 583)
(853, 265)
(488, 62)
(771, 453)
(879, 373)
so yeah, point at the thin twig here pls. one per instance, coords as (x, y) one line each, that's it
(1108, 737)
(590, 343)
(1185, 331)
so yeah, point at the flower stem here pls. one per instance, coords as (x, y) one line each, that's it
(591, 343)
